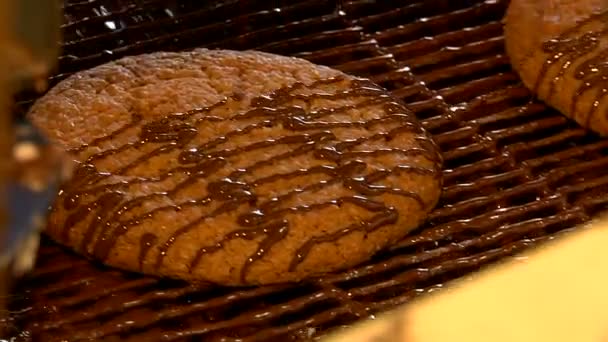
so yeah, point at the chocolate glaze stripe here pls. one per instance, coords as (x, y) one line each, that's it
(494, 180)
(463, 133)
(449, 52)
(309, 42)
(466, 174)
(489, 239)
(436, 44)
(405, 297)
(489, 122)
(522, 193)
(117, 307)
(583, 186)
(431, 96)
(593, 72)
(95, 310)
(553, 141)
(101, 289)
(67, 283)
(566, 52)
(155, 296)
(149, 317)
(393, 79)
(181, 133)
(411, 90)
(257, 316)
(567, 154)
(361, 66)
(63, 262)
(65, 278)
(464, 69)
(346, 49)
(465, 151)
(317, 319)
(572, 46)
(484, 48)
(484, 222)
(416, 9)
(507, 97)
(461, 265)
(135, 119)
(92, 159)
(296, 29)
(469, 90)
(452, 176)
(444, 21)
(556, 176)
(358, 309)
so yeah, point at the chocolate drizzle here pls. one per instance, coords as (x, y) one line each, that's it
(135, 119)
(146, 242)
(264, 220)
(579, 44)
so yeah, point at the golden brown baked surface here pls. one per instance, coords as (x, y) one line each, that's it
(235, 167)
(560, 50)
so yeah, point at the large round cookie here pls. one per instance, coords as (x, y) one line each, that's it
(235, 167)
(560, 50)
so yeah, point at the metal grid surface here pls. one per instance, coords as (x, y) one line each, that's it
(516, 173)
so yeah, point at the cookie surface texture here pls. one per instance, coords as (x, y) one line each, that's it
(236, 168)
(560, 50)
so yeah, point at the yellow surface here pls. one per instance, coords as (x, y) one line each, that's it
(560, 293)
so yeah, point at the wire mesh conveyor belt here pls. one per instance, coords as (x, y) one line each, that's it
(516, 173)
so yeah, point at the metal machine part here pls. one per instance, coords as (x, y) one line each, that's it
(29, 170)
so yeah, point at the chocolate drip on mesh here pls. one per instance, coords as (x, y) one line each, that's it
(265, 220)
